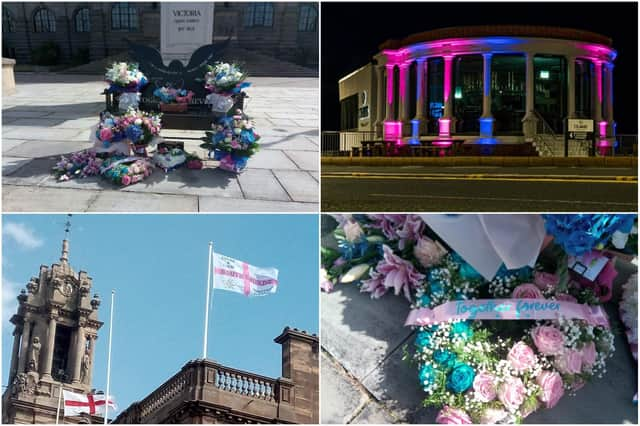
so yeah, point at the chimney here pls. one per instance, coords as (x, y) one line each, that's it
(300, 363)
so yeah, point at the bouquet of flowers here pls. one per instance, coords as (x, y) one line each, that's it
(169, 159)
(126, 170)
(141, 128)
(232, 142)
(125, 77)
(173, 100)
(79, 164)
(225, 78)
(488, 349)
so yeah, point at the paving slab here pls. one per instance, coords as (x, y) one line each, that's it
(262, 184)
(374, 413)
(268, 159)
(36, 149)
(345, 397)
(8, 144)
(41, 133)
(298, 184)
(306, 160)
(129, 201)
(11, 164)
(216, 204)
(38, 199)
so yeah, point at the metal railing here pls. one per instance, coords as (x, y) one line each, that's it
(334, 143)
(626, 145)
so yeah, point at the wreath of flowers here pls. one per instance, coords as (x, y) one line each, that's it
(169, 95)
(225, 78)
(137, 126)
(232, 141)
(126, 170)
(125, 77)
(482, 371)
(79, 164)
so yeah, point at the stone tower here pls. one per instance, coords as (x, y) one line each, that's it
(54, 339)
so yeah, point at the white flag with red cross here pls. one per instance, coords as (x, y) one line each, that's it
(77, 403)
(240, 277)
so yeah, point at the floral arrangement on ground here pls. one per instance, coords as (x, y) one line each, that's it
(489, 348)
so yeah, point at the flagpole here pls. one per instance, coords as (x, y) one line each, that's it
(206, 307)
(106, 406)
(59, 400)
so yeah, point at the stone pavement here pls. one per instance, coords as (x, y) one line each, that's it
(51, 114)
(365, 380)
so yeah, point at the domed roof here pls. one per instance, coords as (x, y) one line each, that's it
(499, 30)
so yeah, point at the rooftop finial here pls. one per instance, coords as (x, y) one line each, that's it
(65, 242)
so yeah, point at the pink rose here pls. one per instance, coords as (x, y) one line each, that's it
(484, 386)
(521, 357)
(492, 416)
(352, 231)
(589, 354)
(453, 416)
(106, 134)
(428, 252)
(563, 297)
(552, 387)
(512, 393)
(527, 291)
(126, 180)
(549, 340)
(545, 280)
(569, 361)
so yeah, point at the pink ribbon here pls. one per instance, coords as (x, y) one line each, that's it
(508, 309)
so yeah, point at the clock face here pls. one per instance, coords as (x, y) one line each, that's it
(67, 289)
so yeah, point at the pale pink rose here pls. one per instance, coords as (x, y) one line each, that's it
(521, 357)
(545, 280)
(428, 252)
(512, 393)
(527, 291)
(549, 340)
(325, 284)
(453, 416)
(569, 361)
(552, 387)
(352, 231)
(492, 416)
(589, 354)
(563, 297)
(484, 386)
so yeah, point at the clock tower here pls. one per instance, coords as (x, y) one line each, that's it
(56, 327)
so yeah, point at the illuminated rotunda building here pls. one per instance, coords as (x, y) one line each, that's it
(492, 84)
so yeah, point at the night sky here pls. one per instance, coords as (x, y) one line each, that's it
(352, 32)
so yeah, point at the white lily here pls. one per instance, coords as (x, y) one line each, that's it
(355, 273)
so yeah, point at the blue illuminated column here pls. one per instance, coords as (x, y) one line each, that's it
(530, 121)
(421, 73)
(611, 125)
(486, 120)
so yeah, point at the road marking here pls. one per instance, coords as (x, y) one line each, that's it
(482, 176)
(529, 200)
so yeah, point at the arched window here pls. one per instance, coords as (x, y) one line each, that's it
(44, 21)
(82, 20)
(124, 16)
(258, 15)
(8, 25)
(307, 18)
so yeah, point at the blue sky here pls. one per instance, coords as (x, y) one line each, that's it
(157, 265)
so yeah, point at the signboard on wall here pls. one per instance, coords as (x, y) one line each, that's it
(579, 125)
(184, 27)
(363, 108)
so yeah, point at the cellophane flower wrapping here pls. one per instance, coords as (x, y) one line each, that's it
(170, 95)
(225, 78)
(78, 165)
(128, 100)
(134, 126)
(125, 77)
(169, 159)
(126, 171)
(482, 371)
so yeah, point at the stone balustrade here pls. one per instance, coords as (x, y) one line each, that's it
(253, 385)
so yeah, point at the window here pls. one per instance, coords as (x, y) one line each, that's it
(60, 361)
(550, 80)
(467, 92)
(307, 18)
(258, 15)
(124, 16)
(349, 113)
(8, 26)
(508, 93)
(44, 21)
(435, 93)
(82, 21)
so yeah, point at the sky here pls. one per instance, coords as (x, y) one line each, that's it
(157, 265)
(364, 26)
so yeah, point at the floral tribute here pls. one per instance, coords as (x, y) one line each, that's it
(125, 77)
(79, 164)
(136, 127)
(126, 170)
(232, 142)
(225, 79)
(173, 100)
(484, 366)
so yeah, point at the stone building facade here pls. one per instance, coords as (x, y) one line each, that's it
(204, 391)
(288, 31)
(56, 327)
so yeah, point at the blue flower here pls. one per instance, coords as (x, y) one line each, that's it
(247, 136)
(427, 376)
(461, 378)
(423, 338)
(424, 300)
(461, 329)
(465, 270)
(436, 288)
(445, 358)
(523, 274)
(350, 250)
(134, 133)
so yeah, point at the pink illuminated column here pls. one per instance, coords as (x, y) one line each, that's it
(597, 92)
(571, 87)
(445, 123)
(530, 121)
(421, 84)
(609, 104)
(390, 116)
(403, 115)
